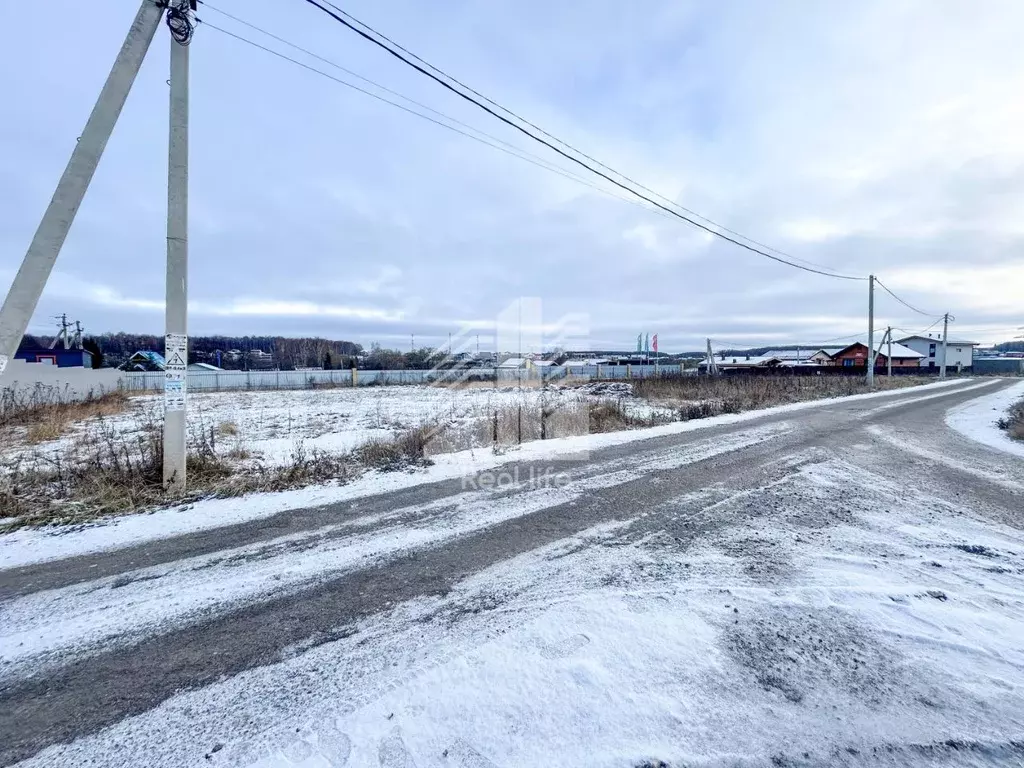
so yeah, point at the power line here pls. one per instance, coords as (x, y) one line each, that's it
(507, 148)
(565, 144)
(919, 333)
(556, 149)
(905, 304)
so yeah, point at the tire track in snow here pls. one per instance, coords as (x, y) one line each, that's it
(51, 628)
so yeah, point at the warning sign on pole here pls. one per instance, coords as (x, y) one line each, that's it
(175, 371)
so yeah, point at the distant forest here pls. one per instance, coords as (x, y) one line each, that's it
(278, 351)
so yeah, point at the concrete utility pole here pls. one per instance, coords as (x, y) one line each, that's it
(62, 334)
(888, 354)
(871, 330)
(712, 366)
(945, 345)
(176, 314)
(35, 269)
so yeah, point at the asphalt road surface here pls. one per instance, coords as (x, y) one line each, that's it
(80, 687)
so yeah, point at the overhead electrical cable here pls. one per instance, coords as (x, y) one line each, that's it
(565, 144)
(905, 304)
(509, 149)
(387, 46)
(490, 140)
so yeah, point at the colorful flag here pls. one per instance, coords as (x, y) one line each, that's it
(655, 342)
(639, 338)
(647, 347)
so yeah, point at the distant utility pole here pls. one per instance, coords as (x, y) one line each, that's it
(42, 253)
(888, 355)
(712, 366)
(62, 334)
(181, 23)
(871, 330)
(945, 345)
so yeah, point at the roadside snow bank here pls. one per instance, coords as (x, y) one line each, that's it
(25, 546)
(977, 419)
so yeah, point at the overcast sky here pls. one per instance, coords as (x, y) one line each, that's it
(877, 136)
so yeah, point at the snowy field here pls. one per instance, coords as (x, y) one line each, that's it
(25, 546)
(272, 425)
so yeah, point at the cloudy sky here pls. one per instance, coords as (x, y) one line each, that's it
(879, 136)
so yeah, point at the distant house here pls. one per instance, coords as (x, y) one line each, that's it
(856, 356)
(145, 360)
(742, 362)
(515, 363)
(960, 354)
(825, 355)
(791, 355)
(58, 356)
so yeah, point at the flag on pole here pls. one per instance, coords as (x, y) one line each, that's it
(647, 344)
(655, 342)
(639, 338)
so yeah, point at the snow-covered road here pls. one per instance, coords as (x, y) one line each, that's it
(807, 587)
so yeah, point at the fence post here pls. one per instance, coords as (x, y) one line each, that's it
(355, 377)
(629, 371)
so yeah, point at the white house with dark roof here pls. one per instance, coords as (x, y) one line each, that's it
(960, 354)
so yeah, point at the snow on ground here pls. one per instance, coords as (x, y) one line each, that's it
(272, 424)
(977, 419)
(25, 546)
(51, 625)
(832, 619)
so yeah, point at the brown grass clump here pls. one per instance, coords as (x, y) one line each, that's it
(698, 397)
(49, 414)
(1013, 422)
(405, 450)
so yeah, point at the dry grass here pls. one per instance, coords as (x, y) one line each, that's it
(406, 450)
(1013, 422)
(114, 472)
(48, 413)
(227, 429)
(698, 397)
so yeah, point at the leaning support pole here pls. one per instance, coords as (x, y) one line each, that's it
(888, 354)
(176, 340)
(35, 269)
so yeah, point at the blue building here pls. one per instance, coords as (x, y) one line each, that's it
(146, 360)
(58, 356)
